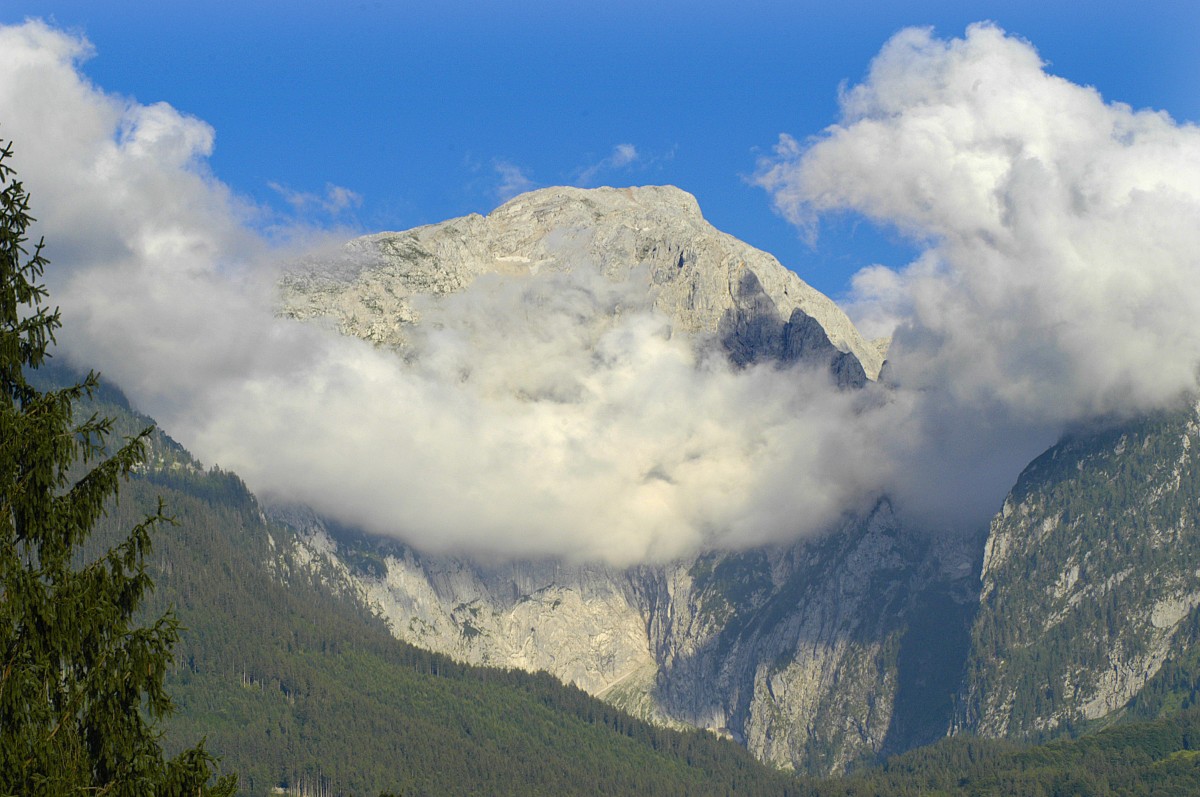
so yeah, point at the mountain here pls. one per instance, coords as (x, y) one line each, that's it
(299, 687)
(318, 657)
(814, 655)
(652, 238)
(301, 690)
(1077, 607)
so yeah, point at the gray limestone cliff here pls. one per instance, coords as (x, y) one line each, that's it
(815, 656)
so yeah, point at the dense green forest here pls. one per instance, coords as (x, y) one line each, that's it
(1158, 759)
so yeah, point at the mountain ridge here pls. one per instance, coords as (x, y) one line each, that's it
(701, 278)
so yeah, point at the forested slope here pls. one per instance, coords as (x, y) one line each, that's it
(1090, 584)
(1157, 759)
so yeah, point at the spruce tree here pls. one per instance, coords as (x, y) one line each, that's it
(81, 684)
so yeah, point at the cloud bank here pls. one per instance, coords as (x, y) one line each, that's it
(561, 416)
(551, 415)
(1060, 274)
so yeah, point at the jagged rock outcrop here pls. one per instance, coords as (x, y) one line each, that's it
(753, 331)
(707, 282)
(798, 650)
(1090, 578)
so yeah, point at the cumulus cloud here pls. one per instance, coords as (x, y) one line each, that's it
(133, 219)
(1060, 274)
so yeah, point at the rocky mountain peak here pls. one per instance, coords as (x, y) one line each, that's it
(595, 204)
(706, 281)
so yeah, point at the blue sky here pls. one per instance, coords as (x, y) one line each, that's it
(428, 110)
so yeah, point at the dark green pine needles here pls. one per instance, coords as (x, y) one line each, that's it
(80, 686)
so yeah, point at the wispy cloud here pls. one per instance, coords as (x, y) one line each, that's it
(513, 180)
(335, 201)
(622, 156)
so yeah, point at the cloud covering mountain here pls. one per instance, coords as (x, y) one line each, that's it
(562, 416)
(1060, 272)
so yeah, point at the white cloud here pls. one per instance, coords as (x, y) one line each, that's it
(1061, 274)
(123, 198)
(623, 155)
(559, 415)
(553, 415)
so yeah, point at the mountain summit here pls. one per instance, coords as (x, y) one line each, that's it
(705, 281)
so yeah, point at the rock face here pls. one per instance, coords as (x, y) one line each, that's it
(813, 656)
(707, 282)
(1090, 578)
(753, 331)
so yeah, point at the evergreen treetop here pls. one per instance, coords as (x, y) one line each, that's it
(80, 684)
